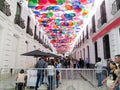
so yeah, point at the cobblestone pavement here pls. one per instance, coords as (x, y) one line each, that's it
(79, 84)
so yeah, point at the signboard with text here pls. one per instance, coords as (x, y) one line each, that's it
(31, 77)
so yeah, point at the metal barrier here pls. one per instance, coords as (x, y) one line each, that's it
(69, 79)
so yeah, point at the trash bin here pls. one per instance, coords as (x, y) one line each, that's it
(43, 87)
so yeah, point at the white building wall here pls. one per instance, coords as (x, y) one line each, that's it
(114, 34)
(13, 39)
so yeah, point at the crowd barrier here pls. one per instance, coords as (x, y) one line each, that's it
(69, 79)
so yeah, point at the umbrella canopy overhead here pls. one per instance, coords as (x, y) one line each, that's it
(36, 53)
(62, 20)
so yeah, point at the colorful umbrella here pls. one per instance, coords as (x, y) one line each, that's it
(62, 19)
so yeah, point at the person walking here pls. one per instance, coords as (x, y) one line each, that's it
(51, 73)
(41, 64)
(117, 61)
(99, 67)
(112, 79)
(57, 66)
(74, 63)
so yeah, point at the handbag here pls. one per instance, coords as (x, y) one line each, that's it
(109, 82)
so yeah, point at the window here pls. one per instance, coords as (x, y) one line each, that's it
(39, 36)
(35, 31)
(80, 53)
(43, 37)
(115, 7)
(83, 37)
(80, 41)
(40, 40)
(5, 7)
(18, 12)
(84, 53)
(106, 47)
(93, 24)
(88, 51)
(18, 18)
(35, 35)
(118, 4)
(103, 13)
(29, 30)
(87, 33)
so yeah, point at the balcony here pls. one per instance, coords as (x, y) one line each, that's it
(40, 41)
(36, 38)
(101, 21)
(114, 8)
(19, 21)
(45, 45)
(29, 31)
(5, 7)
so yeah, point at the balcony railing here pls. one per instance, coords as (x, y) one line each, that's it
(103, 19)
(99, 23)
(5, 7)
(36, 38)
(114, 8)
(45, 45)
(19, 21)
(29, 31)
(40, 41)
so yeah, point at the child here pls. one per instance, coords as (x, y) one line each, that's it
(20, 80)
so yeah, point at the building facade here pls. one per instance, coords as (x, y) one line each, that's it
(101, 35)
(19, 33)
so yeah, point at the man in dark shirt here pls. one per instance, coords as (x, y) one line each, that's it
(40, 73)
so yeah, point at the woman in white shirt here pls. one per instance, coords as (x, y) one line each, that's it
(51, 72)
(20, 80)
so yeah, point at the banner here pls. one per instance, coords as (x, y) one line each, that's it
(31, 77)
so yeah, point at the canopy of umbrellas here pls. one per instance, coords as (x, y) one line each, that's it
(62, 19)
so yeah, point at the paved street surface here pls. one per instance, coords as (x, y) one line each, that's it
(71, 80)
(79, 84)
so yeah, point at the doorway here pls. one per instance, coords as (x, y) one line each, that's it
(106, 47)
(96, 51)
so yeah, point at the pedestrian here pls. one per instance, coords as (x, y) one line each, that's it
(41, 64)
(11, 71)
(112, 80)
(20, 80)
(99, 67)
(57, 66)
(117, 61)
(62, 62)
(82, 63)
(51, 73)
(108, 65)
(74, 63)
